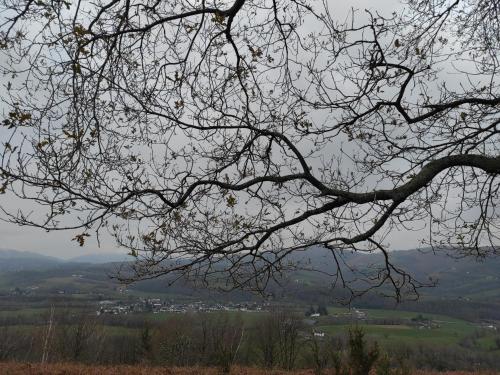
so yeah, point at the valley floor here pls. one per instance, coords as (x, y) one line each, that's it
(12, 368)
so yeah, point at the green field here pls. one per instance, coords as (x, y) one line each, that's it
(442, 330)
(445, 335)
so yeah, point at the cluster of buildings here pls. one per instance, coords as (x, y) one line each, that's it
(157, 305)
(353, 313)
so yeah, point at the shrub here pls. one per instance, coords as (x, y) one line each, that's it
(361, 358)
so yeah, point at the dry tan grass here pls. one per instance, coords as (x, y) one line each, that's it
(79, 369)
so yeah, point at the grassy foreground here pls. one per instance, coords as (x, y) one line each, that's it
(12, 368)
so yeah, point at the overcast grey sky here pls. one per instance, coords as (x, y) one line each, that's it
(60, 243)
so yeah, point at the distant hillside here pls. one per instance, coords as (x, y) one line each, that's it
(14, 260)
(466, 287)
(100, 258)
(456, 277)
(466, 278)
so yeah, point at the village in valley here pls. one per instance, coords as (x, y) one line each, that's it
(157, 305)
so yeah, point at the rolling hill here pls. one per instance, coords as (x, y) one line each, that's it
(466, 287)
(14, 260)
